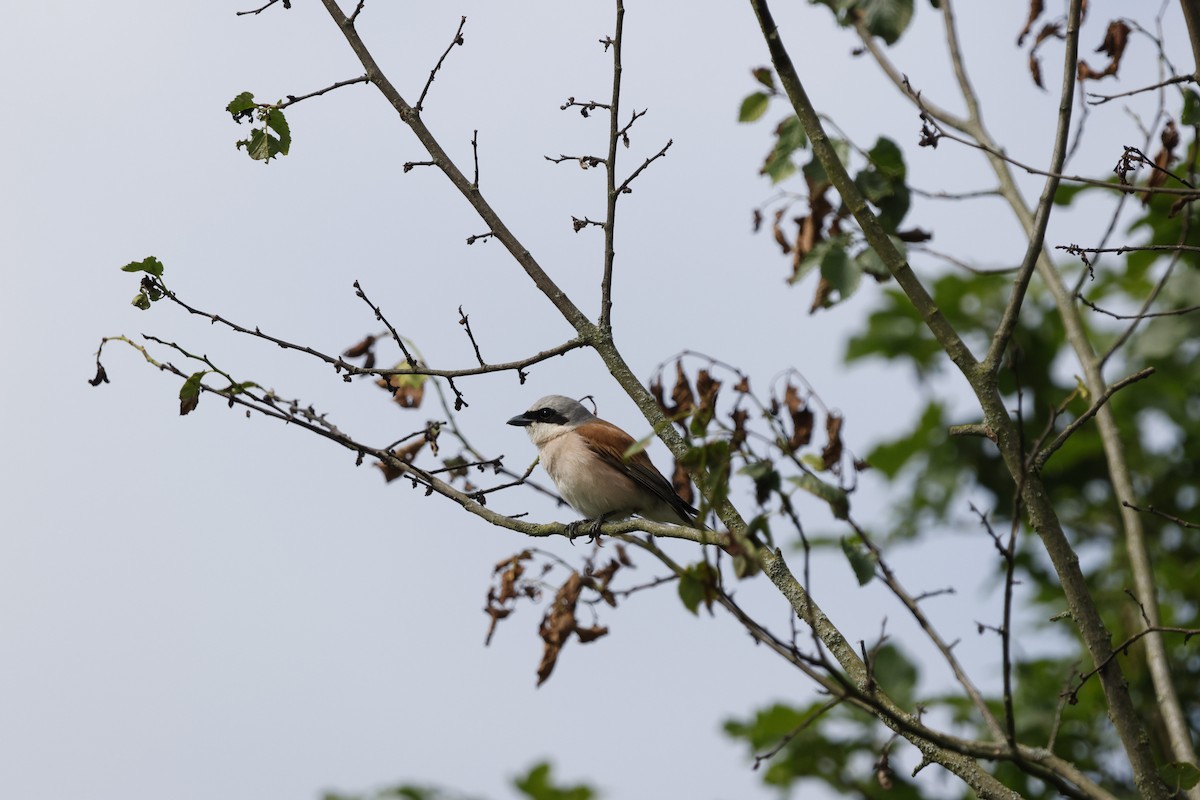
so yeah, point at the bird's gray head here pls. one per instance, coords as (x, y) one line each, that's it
(551, 415)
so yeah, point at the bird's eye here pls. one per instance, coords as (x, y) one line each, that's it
(544, 413)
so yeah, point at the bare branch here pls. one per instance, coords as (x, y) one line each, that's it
(585, 109)
(1041, 219)
(293, 99)
(457, 40)
(465, 321)
(585, 162)
(1039, 461)
(1095, 99)
(624, 187)
(268, 4)
(1183, 523)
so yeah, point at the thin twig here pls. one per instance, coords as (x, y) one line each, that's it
(1101, 99)
(269, 3)
(465, 321)
(293, 99)
(1152, 510)
(1039, 461)
(457, 40)
(624, 187)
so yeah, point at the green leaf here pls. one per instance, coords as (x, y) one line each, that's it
(697, 584)
(1191, 108)
(537, 784)
(838, 500)
(142, 301)
(816, 257)
(637, 447)
(886, 19)
(816, 173)
(278, 123)
(1181, 774)
(754, 106)
(189, 393)
(149, 264)
(241, 107)
(789, 137)
(888, 159)
(862, 560)
(896, 673)
(765, 76)
(841, 272)
(870, 262)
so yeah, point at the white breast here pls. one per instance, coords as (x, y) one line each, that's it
(592, 487)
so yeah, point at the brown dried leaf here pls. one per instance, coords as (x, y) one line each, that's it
(832, 452)
(1170, 138)
(590, 634)
(1113, 46)
(623, 556)
(558, 624)
(739, 417)
(681, 395)
(821, 295)
(802, 418)
(405, 454)
(359, 349)
(758, 220)
(1035, 10)
(656, 389)
(742, 386)
(914, 235)
(1035, 70)
(1049, 30)
(707, 387)
(781, 238)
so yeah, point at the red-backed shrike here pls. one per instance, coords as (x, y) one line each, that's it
(585, 457)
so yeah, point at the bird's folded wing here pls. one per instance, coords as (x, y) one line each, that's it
(610, 443)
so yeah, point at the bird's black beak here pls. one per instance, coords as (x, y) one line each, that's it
(521, 420)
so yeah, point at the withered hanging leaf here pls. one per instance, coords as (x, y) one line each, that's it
(656, 390)
(777, 229)
(832, 452)
(808, 234)
(590, 634)
(510, 588)
(707, 387)
(1035, 10)
(1162, 160)
(738, 437)
(405, 454)
(359, 349)
(558, 624)
(682, 395)
(1049, 30)
(742, 386)
(758, 220)
(821, 295)
(1113, 46)
(802, 418)
(101, 375)
(623, 556)
(407, 390)
(1170, 137)
(1035, 70)
(914, 235)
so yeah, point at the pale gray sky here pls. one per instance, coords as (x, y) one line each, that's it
(211, 606)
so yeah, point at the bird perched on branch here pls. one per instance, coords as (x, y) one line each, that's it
(585, 456)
